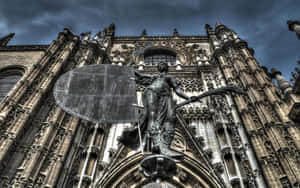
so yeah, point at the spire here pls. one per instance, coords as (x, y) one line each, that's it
(110, 30)
(294, 26)
(219, 27)
(291, 24)
(112, 27)
(218, 24)
(175, 33)
(85, 36)
(97, 36)
(251, 50)
(294, 75)
(265, 69)
(4, 40)
(208, 28)
(144, 33)
(297, 70)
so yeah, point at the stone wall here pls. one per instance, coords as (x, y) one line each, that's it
(22, 58)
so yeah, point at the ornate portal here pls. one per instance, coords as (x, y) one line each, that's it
(82, 115)
(106, 94)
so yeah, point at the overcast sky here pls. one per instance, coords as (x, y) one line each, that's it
(262, 23)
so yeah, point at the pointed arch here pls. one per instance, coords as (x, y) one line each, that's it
(126, 173)
(9, 76)
(193, 170)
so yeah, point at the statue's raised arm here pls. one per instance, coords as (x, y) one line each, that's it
(141, 78)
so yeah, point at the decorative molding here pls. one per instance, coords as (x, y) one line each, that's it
(24, 48)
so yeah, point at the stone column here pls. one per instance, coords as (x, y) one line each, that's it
(283, 84)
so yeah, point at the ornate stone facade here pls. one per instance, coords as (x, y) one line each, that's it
(227, 141)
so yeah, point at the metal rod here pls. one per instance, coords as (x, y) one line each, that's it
(140, 137)
(137, 106)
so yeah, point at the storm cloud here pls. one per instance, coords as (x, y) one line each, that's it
(262, 23)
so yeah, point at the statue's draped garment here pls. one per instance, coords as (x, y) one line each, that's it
(158, 118)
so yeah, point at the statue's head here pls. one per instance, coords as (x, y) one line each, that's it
(162, 66)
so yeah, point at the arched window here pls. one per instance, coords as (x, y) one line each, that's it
(154, 56)
(230, 164)
(8, 78)
(239, 162)
(221, 136)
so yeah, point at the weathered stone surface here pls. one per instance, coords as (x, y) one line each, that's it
(98, 93)
(24, 59)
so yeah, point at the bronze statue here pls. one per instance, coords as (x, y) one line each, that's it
(159, 115)
(158, 119)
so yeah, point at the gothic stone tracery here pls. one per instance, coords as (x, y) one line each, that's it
(227, 141)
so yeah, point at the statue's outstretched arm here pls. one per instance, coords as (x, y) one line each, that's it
(181, 94)
(218, 91)
(141, 75)
(175, 86)
(137, 73)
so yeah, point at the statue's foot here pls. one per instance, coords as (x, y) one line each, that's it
(170, 153)
(156, 149)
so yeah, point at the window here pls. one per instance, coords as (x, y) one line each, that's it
(222, 137)
(8, 78)
(154, 56)
(230, 164)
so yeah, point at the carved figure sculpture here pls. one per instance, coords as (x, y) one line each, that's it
(158, 118)
(159, 115)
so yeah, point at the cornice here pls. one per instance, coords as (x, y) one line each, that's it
(160, 38)
(185, 70)
(23, 48)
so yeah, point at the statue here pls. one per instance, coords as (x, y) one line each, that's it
(110, 93)
(106, 94)
(158, 118)
(159, 115)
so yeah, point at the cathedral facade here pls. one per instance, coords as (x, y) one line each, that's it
(230, 140)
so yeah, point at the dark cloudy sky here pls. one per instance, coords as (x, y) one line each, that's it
(262, 23)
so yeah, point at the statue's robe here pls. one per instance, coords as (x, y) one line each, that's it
(158, 134)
